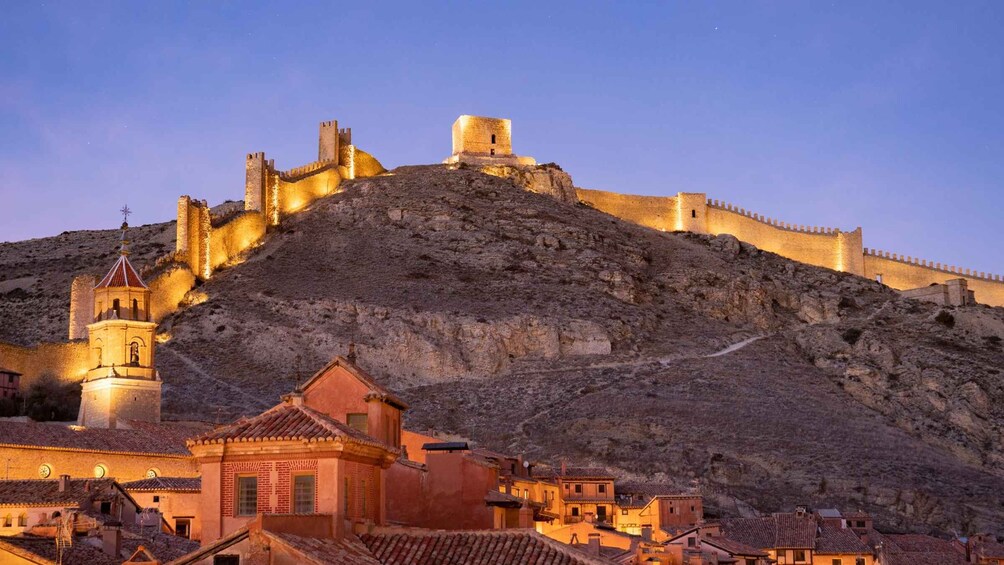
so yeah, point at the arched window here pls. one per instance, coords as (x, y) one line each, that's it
(22, 521)
(8, 521)
(115, 308)
(693, 213)
(135, 309)
(134, 354)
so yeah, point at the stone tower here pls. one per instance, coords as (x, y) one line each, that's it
(122, 383)
(484, 141)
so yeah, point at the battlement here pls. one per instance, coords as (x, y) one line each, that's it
(304, 170)
(799, 228)
(950, 269)
(258, 155)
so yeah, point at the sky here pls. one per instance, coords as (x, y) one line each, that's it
(883, 115)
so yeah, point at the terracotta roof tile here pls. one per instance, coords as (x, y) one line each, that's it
(45, 492)
(346, 551)
(151, 440)
(497, 547)
(755, 532)
(733, 547)
(795, 531)
(285, 421)
(174, 484)
(122, 274)
(834, 540)
(43, 551)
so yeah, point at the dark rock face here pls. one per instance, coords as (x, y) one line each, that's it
(531, 323)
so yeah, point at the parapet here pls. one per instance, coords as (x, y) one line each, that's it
(944, 268)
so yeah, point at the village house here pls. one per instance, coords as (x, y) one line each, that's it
(985, 549)
(796, 538)
(10, 384)
(175, 498)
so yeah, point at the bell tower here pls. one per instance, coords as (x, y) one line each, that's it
(122, 383)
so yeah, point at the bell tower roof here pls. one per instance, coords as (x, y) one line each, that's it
(122, 273)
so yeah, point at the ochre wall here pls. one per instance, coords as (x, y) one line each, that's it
(656, 212)
(69, 361)
(367, 165)
(167, 290)
(816, 246)
(904, 273)
(294, 195)
(473, 134)
(25, 461)
(173, 505)
(232, 238)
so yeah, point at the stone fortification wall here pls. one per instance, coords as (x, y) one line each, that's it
(820, 246)
(68, 361)
(81, 305)
(365, 165)
(656, 212)
(229, 240)
(904, 272)
(168, 288)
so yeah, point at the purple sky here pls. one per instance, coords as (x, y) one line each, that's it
(882, 115)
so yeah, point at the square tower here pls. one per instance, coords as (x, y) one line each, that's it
(484, 141)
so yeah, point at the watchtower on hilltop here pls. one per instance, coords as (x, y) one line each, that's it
(484, 141)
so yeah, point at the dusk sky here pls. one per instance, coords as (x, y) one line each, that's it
(888, 116)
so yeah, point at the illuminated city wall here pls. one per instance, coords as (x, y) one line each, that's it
(68, 361)
(902, 273)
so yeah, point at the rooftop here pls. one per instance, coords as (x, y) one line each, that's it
(174, 484)
(158, 439)
(122, 274)
(424, 547)
(45, 492)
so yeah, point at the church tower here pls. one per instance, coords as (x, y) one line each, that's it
(122, 383)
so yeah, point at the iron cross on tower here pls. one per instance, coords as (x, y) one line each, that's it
(124, 250)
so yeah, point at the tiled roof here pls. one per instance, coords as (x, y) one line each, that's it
(8, 371)
(833, 540)
(346, 551)
(43, 551)
(585, 473)
(122, 274)
(174, 484)
(496, 547)
(918, 543)
(285, 421)
(57, 436)
(988, 549)
(733, 547)
(916, 549)
(794, 531)
(755, 532)
(45, 492)
(915, 558)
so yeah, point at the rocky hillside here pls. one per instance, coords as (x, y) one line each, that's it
(537, 325)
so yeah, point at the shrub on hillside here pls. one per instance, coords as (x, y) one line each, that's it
(50, 399)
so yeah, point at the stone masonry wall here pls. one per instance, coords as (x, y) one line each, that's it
(81, 305)
(904, 273)
(68, 361)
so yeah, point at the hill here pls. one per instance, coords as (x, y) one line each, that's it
(531, 324)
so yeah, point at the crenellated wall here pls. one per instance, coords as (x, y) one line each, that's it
(820, 246)
(904, 272)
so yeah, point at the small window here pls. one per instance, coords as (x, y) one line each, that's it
(8, 521)
(44, 470)
(691, 541)
(566, 486)
(799, 555)
(861, 523)
(859, 561)
(345, 507)
(575, 511)
(183, 527)
(10, 379)
(226, 560)
(135, 309)
(492, 151)
(364, 499)
(156, 498)
(106, 508)
(247, 496)
(838, 562)
(672, 510)
(578, 489)
(303, 494)
(100, 471)
(602, 489)
(134, 354)
(693, 213)
(493, 139)
(115, 308)
(693, 509)
(22, 521)
(623, 512)
(101, 311)
(357, 421)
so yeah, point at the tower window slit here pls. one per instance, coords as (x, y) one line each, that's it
(693, 213)
(115, 308)
(135, 309)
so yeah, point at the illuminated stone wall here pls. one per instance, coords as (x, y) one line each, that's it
(229, 240)
(656, 212)
(473, 134)
(25, 462)
(902, 272)
(69, 361)
(168, 288)
(81, 305)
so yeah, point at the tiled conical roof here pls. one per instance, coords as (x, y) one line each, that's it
(122, 274)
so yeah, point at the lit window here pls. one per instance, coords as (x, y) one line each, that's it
(303, 494)
(100, 471)
(44, 470)
(247, 496)
(22, 521)
(152, 473)
(357, 421)
(8, 521)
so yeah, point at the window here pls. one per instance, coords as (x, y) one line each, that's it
(106, 507)
(303, 494)
(492, 151)
(100, 471)
(10, 379)
(357, 421)
(44, 470)
(692, 508)
(751, 562)
(578, 489)
(623, 512)
(602, 489)
(799, 555)
(134, 354)
(693, 213)
(493, 139)
(183, 527)
(837, 562)
(566, 486)
(101, 311)
(861, 523)
(156, 498)
(152, 473)
(346, 506)
(691, 541)
(878, 278)
(859, 561)
(8, 521)
(575, 511)
(672, 510)
(22, 521)
(135, 309)
(226, 560)
(247, 496)
(115, 308)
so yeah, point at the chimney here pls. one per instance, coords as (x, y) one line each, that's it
(111, 538)
(64, 483)
(352, 352)
(646, 532)
(563, 469)
(594, 544)
(800, 511)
